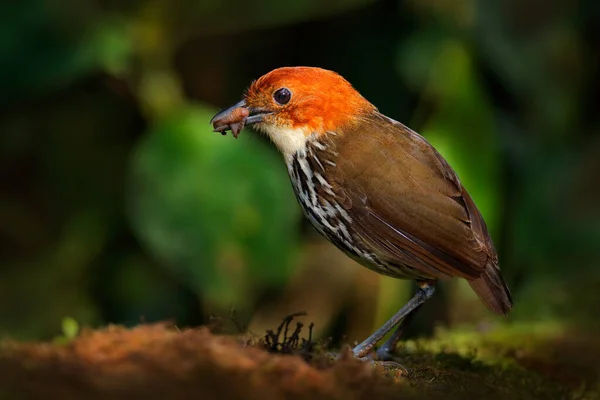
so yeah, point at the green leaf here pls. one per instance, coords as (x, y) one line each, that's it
(70, 328)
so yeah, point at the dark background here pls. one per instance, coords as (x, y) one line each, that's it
(118, 204)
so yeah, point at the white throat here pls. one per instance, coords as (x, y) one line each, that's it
(289, 141)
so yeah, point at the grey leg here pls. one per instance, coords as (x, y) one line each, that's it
(426, 290)
(386, 351)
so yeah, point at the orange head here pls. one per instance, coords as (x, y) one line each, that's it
(293, 104)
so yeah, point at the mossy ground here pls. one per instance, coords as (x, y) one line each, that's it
(160, 361)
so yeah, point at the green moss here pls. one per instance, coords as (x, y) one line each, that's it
(512, 361)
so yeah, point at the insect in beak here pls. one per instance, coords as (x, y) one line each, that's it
(235, 118)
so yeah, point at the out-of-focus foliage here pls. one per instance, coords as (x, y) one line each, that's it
(118, 204)
(220, 214)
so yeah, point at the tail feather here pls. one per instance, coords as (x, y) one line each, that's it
(492, 290)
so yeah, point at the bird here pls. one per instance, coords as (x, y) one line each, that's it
(374, 188)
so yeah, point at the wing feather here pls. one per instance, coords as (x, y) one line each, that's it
(408, 203)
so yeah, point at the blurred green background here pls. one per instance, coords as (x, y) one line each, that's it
(119, 205)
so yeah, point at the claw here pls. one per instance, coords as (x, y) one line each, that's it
(388, 361)
(385, 356)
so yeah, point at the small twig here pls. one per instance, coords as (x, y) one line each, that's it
(274, 341)
(292, 341)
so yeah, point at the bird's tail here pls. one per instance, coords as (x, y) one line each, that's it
(492, 290)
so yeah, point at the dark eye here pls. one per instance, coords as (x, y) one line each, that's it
(282, 96)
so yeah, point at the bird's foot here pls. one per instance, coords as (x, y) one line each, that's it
(390, 368)
(385, 359)
(389, 359)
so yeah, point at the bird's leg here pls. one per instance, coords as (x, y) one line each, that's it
(426, 290)
(386, 351)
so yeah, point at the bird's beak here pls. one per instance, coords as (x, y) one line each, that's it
(236, 117)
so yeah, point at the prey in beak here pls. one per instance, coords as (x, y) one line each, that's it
(235, 118)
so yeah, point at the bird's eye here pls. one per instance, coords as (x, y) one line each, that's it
(282, 96)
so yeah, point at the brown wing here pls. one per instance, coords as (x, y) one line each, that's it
(408, 204)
